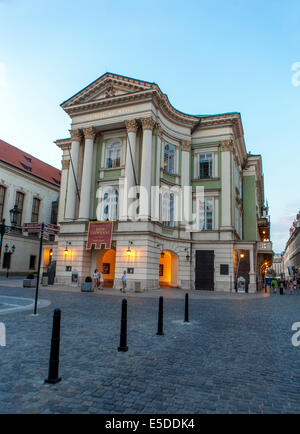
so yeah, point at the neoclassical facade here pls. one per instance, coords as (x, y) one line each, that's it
(185, 198)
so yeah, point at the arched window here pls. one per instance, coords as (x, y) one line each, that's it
(167, 215)
(113, 154)
(169, 158)
(110, 202)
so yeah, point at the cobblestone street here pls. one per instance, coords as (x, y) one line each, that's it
(235, 356)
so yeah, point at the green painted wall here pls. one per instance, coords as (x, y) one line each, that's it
(112, 173)
(249, 199)
(169, 177)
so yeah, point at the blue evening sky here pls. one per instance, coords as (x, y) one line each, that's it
(209, 57)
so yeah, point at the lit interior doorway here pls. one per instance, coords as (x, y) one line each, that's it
(168, 269)
(106, 262)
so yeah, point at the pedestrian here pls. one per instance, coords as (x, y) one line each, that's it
(274, 285)
(101, 280)
(291, 287)
(95, 278)
(124, 281)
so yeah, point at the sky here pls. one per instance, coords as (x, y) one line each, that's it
(208, 57)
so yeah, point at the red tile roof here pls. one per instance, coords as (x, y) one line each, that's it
(27, 163)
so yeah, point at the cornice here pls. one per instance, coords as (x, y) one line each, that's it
(64, 144)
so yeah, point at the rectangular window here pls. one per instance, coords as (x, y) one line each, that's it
(20, 205)
(205, 212)
(35, 210)
(169, 159)
(2, 199)
(113, 155)
(32, 262)
(205, 166)
(224, 269)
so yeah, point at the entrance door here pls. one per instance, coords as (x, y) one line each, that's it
(205, 270)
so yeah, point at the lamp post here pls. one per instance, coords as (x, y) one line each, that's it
(239, 257)
(4, 229)
(9, 252)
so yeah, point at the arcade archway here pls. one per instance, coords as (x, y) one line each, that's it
(106, 262)
(168, 269)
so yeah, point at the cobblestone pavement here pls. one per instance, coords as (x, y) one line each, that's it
(235, 356)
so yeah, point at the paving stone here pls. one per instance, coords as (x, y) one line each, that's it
(235, 357)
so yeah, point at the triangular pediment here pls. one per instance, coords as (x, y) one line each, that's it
(106, 87)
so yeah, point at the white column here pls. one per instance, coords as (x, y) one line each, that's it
(131, 126)
(71, 194)
(185, 179)
(226, 149)
(146, 169)
(65, 167)
(252, 274)
(87, 175)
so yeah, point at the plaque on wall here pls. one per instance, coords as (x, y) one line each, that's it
(106, 268)
(130, 270)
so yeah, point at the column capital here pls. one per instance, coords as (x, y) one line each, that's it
(160, 131)
(186, 145)
(65, 164)
(226, 145)
(89, 133)
(76, 134)
(131, 125)
(148, 123)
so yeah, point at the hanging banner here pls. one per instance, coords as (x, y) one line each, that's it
(99, 233)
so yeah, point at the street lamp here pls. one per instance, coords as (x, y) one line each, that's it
(14, 212)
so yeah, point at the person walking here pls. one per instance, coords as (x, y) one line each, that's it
(291, 287)
(95, 278)
(124, 281)
(101, 280)
(274, 285)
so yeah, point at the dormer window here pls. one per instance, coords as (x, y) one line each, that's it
(28, 168)
(28, 159)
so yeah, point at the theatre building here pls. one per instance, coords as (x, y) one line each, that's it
(197, 218)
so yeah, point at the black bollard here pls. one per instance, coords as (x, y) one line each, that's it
(54, 353)
(186, 310)
(123, 335)
(160, 317)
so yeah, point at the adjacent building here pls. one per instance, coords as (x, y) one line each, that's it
(185, 198)
(291, 255)
(31, 188)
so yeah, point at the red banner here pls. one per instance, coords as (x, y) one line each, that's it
(99, 233)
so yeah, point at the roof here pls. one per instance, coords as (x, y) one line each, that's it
(27, 163)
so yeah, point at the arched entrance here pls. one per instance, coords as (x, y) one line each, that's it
(106, 261)
(168, 269)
